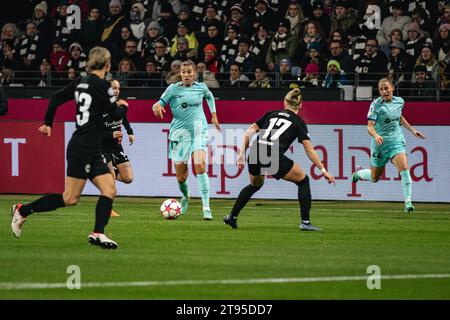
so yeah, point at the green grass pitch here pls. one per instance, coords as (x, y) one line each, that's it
(176, 259)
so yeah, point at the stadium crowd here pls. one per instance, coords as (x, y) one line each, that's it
(235, 43)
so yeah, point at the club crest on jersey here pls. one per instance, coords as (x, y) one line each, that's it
(87, 168)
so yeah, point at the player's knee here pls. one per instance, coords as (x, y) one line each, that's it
(110, 192)
(200, 169)
(70, 200)
(127, 179)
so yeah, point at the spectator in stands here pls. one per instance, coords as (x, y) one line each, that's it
(427, 59)
(236, 79)
(44, 78)
(395, 36)
(263, 15)
(211, 59)
(441, 42)
(314, 55)
(44, 28)
(77, 58)
(184, 15)
(343, 17)
(400, 64)
(206, 76)
(91, 30)
(152, 76)
(174, 74)
(126, 74)
(162, 58)
(313, 33)
(9, 59)
(211, 36)
(445, 17)
(286, 80)
(260, 45)
(146, 46)
(339, 35)
(422, 88)
(210, 18)
(334, 78)
(261, 79)
(59, 58)
(113, 25)
(420, 16)
(296, 18)
(160, 6)
(319, 16)
(31, 48)
(230, 45)
(183, 52)
(9, 32)
(311, 79)
(345, 60)
(63, 32)
(167, 19)
(444, 74)
(415, 40)
(396, 21)
(137, 24)
(238, 20)
(132, 54)
(184, 32)
(72, 74)
(371, 66)
(244, 57)
(282, 46)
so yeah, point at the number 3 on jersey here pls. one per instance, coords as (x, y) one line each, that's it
(282, 125)
(83, 101)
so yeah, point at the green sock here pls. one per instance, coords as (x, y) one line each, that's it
(184, 188)
(365, 174)
(406, 185)
(203, 185)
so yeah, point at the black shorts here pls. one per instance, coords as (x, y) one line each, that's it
(278, 171)
(84, 165)
(116, 156)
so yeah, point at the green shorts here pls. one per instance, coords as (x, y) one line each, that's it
(180, 151)
(380, 155)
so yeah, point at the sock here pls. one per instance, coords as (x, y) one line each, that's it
(304, 198)
(406, 185)
(243, 198)
(364, 174)
(203, 184)
(102, 212)
(49, 202)
(184, 188)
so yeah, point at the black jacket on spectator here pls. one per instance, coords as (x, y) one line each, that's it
(365, 66)
(3, 102)
(346, 62)
(111, 30)
(269, 19)
(91, 33)
(45, 31)
(169, 26)
(425, 91)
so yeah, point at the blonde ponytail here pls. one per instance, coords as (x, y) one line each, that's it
(98, 58)
(293, 98)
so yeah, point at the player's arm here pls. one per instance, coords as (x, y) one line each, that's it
(166, 98)
(127, 127)
(212, 107)
(415, 132)
(373, 133)
(245, 143)
(312, 155)
(56, 100)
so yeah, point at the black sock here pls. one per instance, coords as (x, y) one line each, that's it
(49, 202)
(102, 212)
(243, 198)
(304, 198)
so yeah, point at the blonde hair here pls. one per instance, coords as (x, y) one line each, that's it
(188, 63)
(385, 79)
(98, 58)
(293, 99)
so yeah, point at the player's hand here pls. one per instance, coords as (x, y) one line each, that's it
(117, 134)
(240, 162)
(122, 103)
(158, 110)
(418, 134)
(131, 139)
(215, 121)
(379, 140)
(329, 178)
(45, 130)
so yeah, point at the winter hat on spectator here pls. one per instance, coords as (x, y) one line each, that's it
(154, 25)
(262, 1)
(341, 3)
(141, 9)
(115, 3)
(414, 26)
(185, 8)
(166, 7)
(211, 47)
(314, 46)
(317, 5)
(176, 62)
(245, 39)
(286, 61)
(420, 68)
(232, 27)
(285, 23)
(182, 40)
(312, 68)
(163, 41)
(237, 7)
(41, 6)
(445, 26)
(334, 63)
(398, 44)
(75, 45)
(427, 45)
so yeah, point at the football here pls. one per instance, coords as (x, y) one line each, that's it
(170, 209)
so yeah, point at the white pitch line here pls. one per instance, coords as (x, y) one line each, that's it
(59, 285)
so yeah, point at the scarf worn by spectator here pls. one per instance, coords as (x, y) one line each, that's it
(258, 44)
(78, 64)
(241, 59)
(357, 47)
(279, 42)
(62, 31)
(229, 49)
(365, 63)
(28, 47)
(162, 62)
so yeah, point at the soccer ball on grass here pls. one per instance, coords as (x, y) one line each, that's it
(170, 209)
